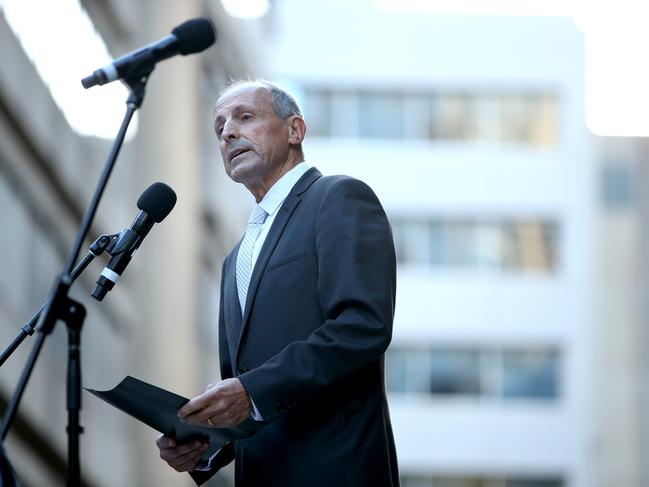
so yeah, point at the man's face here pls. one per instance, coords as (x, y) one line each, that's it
(252, 139)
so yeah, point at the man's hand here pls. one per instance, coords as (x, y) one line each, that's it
(181, 457)
(222, 405)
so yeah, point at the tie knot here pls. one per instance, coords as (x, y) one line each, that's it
(258, 215)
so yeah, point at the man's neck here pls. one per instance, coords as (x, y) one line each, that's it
(260, 190)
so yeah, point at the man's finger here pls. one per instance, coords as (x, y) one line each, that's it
(219, 414)
(200, 420)
(180, 450)
(189, 457)
(195, 404)
(165, 442)
(189, 465)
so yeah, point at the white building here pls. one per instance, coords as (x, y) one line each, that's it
(470, 129)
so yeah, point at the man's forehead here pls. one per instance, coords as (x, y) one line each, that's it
(242, 95)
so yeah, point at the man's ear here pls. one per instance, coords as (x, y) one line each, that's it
(296, 130)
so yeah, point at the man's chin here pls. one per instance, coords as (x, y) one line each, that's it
(241, 172)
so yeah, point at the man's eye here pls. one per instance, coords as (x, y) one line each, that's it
(246, 116)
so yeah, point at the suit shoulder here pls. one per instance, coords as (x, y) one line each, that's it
(330, 181)
(343, 183)
(335, 193)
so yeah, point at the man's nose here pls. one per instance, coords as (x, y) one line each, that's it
(230, 130)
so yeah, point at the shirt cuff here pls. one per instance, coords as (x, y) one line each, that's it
(255, 414)
(206, 465)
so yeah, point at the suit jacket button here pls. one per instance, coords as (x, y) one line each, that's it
(242, 370)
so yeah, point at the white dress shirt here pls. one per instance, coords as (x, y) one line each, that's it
(272, 202)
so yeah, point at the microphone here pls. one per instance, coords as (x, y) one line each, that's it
(190, 37)
(155, 204)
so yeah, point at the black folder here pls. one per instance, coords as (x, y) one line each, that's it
(157, 408)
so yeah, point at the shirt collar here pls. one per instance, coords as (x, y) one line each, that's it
(282, 187)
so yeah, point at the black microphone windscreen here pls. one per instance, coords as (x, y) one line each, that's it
(195, 35)
(157, 201)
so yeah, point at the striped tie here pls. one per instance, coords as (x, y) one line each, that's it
(244, 256)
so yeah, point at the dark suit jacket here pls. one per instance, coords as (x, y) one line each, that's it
(309, 347)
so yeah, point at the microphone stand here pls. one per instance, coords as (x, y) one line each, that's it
(60, 307)
(95, 250)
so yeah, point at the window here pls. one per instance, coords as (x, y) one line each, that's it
(433, 481)
(511, 117)
(524, 245)
(617, 185)
(526, 373)
(380, 115)
(454, 118)
(455, 372)
(405, 375)
(530, 373)
(317, 110)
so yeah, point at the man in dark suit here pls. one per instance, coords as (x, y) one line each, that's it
(306, 310)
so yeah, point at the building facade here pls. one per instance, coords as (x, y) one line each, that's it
(471, 131)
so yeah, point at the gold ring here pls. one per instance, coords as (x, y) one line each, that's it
(209, 421)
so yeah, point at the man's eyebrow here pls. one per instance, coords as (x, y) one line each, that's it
(236, 109)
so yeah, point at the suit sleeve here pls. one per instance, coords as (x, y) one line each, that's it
(356, 284)
(222, 458)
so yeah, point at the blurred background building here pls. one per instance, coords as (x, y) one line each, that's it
(159, 324)
(471, 130)
(518, 352)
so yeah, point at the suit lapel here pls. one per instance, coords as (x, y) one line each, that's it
(232, 311)
(284, 214)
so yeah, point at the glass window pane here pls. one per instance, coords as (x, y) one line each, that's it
(380, 115)
(408, 481)
(407, 370)
(534, 483)
(491, 377)
(617, 185)
(455, 372)
(530, 118)
(489, 118)
(462, 243)
(529, 245)
(317, 112)
(453, 117)
(489, 245)
(416, 242)
(395, 370)
(417, 367)
(545, 130)
(516, 118)
(534, 254)
(531, 374)
(417, 116)
(398, 234)
(459, 482)
(344, 114)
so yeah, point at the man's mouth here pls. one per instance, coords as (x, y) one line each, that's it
(237, 152)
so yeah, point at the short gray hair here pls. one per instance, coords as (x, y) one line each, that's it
(284, 104)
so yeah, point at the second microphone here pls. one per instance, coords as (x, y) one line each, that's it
(155, 204)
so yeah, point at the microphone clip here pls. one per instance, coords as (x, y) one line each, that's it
(137, 77)
(121, 246)
(121, 242)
